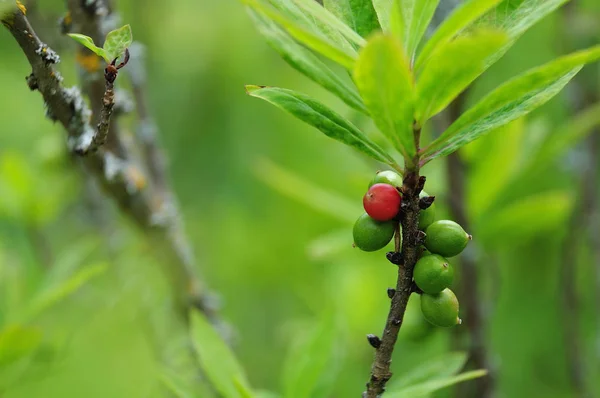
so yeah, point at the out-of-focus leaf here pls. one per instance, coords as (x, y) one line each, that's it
(452, 69)
(461, 18)
(306, 362)
(18, 342)
(500, 159)
(428, 387)
(439, 368)
(117, 41)
(319, 116)
(566, 136)
(514, 99)
(515, 17)
(216, 359)
(384, 80)
(17, 185)
(322, 14)
(294, 186)
(320, 44)
(88, 42)
(358, 14)
(528, 217)
(176, 385)
(306, 62)
(330, 244)
(55, 294)
(413, 19)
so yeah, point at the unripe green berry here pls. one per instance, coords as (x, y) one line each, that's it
(387, 177)
(433, 274)
(441, 309)
(446, 238)
(371, 235)
(427, 216)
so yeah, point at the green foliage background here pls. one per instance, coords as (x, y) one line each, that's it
(280, 266)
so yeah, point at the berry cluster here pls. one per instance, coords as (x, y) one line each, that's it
(432, 273)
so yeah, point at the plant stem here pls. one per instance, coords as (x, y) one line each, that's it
(380, 369)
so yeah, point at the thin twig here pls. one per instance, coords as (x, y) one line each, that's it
(380, 369)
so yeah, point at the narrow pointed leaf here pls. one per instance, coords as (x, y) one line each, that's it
(88, 42)
(306, 62)
(428, 387)
(452, 69)
(516, 17)
(461, 18)
(383, 9)
(117, 41)
(383, 77)
(216, 359)
(443, 366)
(322, 14)
(360, 15)
(415, 16)
(295, 13)
(510, 101)
(296, 187)
(318, 115)
(315, 41)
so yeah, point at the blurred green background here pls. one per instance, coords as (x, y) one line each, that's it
(277, 252)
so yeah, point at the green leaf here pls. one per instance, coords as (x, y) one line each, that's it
(526, 217)
(428, 387)
(452, 69)
(383, 77)
(315, 41)
(414, 18)
(18, 342)
(88, 42)
(510, 101)
(358, 14)
(56, 294)
(461, 18)
(294, 186)
(515, 17)
(179, 387)
(117, 41)
(306, 62)
(295, 13)
(566, 136)
(308, 362)
(216, 359)
(322, 14)
(438, 368)
(318, 115)
(383, 9)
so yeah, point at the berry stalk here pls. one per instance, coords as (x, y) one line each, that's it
(409, 220)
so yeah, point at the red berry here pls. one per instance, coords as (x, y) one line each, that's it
(382, 202)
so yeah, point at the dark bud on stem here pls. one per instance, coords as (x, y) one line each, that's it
(426, 202)
(391, 292)
(374, 340)
(32, 82)
(395, 258)
(420, 238)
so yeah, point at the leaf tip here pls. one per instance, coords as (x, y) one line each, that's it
(251, 88)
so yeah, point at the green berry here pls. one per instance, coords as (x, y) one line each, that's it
(427, 216)
(433, 274)
(371, 235)
(446, 238)
(387, 177)
(441, 309)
